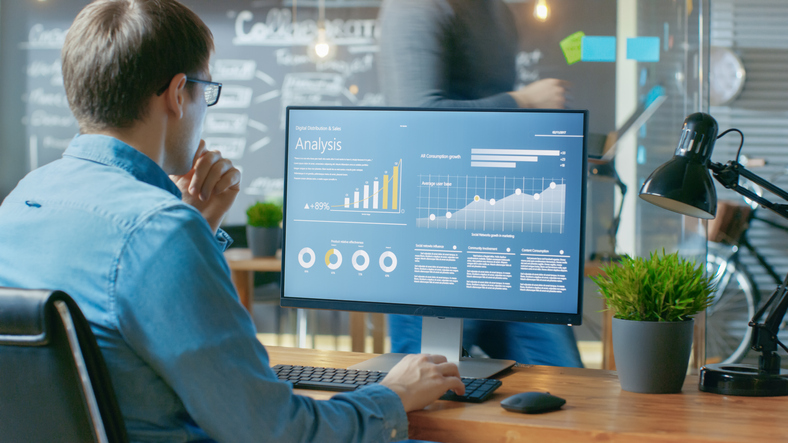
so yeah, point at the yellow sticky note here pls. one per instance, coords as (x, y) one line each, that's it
(572, 47)
(689, 8)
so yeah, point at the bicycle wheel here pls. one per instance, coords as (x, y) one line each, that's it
(727, 319)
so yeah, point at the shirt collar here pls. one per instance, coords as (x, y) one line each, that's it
(113, 152)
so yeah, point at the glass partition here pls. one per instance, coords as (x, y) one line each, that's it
(681, 76)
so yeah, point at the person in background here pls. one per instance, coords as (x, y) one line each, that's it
(127, 223)
(461, 54)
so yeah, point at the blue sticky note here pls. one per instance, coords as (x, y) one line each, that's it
(641, 157)
(598, 49)
(643, 49)
(655, 93)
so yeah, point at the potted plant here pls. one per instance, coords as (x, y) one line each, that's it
(653, 301)
(262, 230)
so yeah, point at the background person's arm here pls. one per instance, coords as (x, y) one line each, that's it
(548, 93)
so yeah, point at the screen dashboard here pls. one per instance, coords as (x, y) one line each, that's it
(457, 213)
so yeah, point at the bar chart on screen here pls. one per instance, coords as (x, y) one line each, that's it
(490, 203)
(383, 193)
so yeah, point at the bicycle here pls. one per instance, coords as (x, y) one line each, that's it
(737, 296)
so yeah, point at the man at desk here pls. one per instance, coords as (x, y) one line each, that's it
(141, 251)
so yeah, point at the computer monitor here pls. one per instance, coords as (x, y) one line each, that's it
(443, 213)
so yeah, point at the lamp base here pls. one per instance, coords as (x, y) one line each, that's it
(744, 380)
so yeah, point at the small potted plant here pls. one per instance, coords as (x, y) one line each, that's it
(653, 301)
(262, 230)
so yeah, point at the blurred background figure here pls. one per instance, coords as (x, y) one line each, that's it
(456, 53)
(461, 54)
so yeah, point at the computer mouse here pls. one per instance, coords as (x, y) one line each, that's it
(532, 402)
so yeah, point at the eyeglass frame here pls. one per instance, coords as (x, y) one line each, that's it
(195, 80)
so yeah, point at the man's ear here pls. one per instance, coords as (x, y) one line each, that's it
(175, 95)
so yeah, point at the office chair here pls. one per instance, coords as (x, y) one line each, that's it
(54, 385)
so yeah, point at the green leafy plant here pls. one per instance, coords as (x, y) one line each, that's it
(264, 215)
(661, 288)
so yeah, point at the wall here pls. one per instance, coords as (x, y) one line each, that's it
(261, 59)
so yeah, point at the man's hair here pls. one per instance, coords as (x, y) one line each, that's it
(119, 53)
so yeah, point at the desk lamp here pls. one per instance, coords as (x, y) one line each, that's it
(684, 185)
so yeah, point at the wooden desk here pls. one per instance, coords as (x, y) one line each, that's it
(243, 266)
(596, 409)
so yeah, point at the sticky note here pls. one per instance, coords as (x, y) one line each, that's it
(643, 49)
(655, 93)
(571, 46)
(599, 49)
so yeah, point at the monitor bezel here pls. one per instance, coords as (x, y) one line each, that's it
(431, 310)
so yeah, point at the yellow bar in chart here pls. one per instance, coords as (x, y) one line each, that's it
(395, 178)
(385, 192)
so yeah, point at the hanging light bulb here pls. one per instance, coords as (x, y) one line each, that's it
(321, 49)
(541, 10)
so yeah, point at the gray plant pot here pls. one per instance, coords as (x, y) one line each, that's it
(652, 357)
(262, 241)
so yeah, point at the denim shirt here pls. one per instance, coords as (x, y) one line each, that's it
(106, 225)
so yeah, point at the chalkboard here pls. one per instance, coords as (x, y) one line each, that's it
(261, 58)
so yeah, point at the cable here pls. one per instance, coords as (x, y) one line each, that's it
(740, 144)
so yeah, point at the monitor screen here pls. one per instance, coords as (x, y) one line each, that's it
(439, 213)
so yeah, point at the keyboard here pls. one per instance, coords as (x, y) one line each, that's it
(477, 390)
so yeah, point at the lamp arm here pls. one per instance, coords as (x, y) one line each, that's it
(728, 176)
(773, 320)
(764, 337)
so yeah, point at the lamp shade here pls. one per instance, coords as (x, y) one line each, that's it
(684, 183)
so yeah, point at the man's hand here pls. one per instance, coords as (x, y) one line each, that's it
(420, 379)
(210, 186)
(548, 93)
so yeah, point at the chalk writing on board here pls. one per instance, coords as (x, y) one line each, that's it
(52, 70)
(40, 37)
(230, 147)
(40, 97)
(527, 66)
(278, 29)
(235, 69)
(235, 96)
(55, 143)
(265, 186)
(225, 123)
(43, 118)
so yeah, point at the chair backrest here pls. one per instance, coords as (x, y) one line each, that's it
(54, 385)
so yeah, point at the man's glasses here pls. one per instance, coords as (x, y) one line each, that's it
(212, 90)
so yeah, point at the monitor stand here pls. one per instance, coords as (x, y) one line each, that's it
(442, 336)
